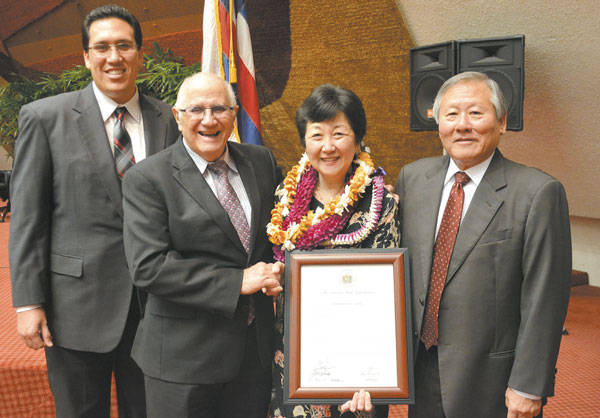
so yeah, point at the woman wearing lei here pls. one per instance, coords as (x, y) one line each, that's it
(333, 198)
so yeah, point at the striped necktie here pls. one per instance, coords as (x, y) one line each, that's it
(124, 158)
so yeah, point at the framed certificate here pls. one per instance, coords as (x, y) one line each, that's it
(348, 326)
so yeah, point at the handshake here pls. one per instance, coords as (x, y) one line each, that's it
(264, 277)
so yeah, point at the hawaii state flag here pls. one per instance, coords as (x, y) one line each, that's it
(227, 51)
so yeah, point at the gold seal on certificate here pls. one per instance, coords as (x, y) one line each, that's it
(346, 277)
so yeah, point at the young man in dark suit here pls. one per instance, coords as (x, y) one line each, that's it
(70, 282)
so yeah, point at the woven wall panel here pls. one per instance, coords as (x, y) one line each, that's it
(359, 45)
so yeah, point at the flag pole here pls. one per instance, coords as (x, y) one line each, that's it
(232, 68)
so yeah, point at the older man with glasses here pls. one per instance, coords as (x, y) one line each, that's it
(195, 218)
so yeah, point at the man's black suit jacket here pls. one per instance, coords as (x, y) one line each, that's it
(184, 252)
(66, 227)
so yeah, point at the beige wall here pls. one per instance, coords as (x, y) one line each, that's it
(562, 87)
(5, 162)
(585, 233)
(562, 57)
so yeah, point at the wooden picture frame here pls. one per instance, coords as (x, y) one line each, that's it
(348, 326)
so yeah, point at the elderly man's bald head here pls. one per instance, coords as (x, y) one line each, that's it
(203, 78)
(205, 113)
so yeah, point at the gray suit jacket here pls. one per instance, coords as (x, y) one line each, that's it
(66, 240)
(507, 288)
(185, 253)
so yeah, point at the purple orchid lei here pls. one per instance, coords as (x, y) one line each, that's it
(329, 228)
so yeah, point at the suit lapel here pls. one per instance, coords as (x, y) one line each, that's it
(92, 132)
(482, 209)
(187, 175)
(249, 179)
(429, 206)
(155, 130)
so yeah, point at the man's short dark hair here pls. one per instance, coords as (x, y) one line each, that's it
(324, 103)
(106, 12)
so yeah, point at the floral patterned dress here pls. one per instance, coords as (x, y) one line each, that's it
(386, 235)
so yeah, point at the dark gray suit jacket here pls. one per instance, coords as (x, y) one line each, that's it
(507, 288)
(66, 239)
(185, 253)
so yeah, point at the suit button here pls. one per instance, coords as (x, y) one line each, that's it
(245, 308)
(422, 301)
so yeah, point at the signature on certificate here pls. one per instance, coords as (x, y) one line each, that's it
(323, 372)
(372, 374)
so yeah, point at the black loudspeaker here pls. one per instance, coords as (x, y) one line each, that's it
(430, 66)
(502, 59)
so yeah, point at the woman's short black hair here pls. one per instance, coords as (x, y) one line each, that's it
(106, 12)
(324, 103)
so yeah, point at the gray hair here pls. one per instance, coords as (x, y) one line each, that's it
(181, 94)
(497, 97)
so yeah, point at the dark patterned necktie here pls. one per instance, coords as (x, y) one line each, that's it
(231, 203)
(124, 158)
(444, 245)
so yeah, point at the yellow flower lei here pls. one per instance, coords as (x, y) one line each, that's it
(337, 205)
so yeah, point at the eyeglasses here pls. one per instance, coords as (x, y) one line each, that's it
(104, 49)
(197, 112)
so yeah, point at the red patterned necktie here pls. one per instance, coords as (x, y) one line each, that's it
(444, 245)
(124, 158)
(231, 203)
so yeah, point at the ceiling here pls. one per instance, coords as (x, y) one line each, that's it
(54, 26)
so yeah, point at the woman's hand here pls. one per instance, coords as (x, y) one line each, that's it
(361, 401)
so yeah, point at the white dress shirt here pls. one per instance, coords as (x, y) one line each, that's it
(134, 124)
(475, 173)
(233, 175)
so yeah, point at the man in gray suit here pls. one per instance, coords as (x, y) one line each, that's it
(488, 309)
(70, 281)
(195, 219)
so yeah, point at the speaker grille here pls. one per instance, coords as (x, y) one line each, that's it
(430, 66)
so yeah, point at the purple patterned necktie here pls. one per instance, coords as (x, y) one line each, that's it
(231, 203)
(124, 158)
(444, 245)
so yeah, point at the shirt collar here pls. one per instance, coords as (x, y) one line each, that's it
(475, 173)
(202, 164)
(108, 105)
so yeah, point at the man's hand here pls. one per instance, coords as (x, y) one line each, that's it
(520, 407)
(361, 401)
(278, 269)
(263, 276)
(33, 328)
